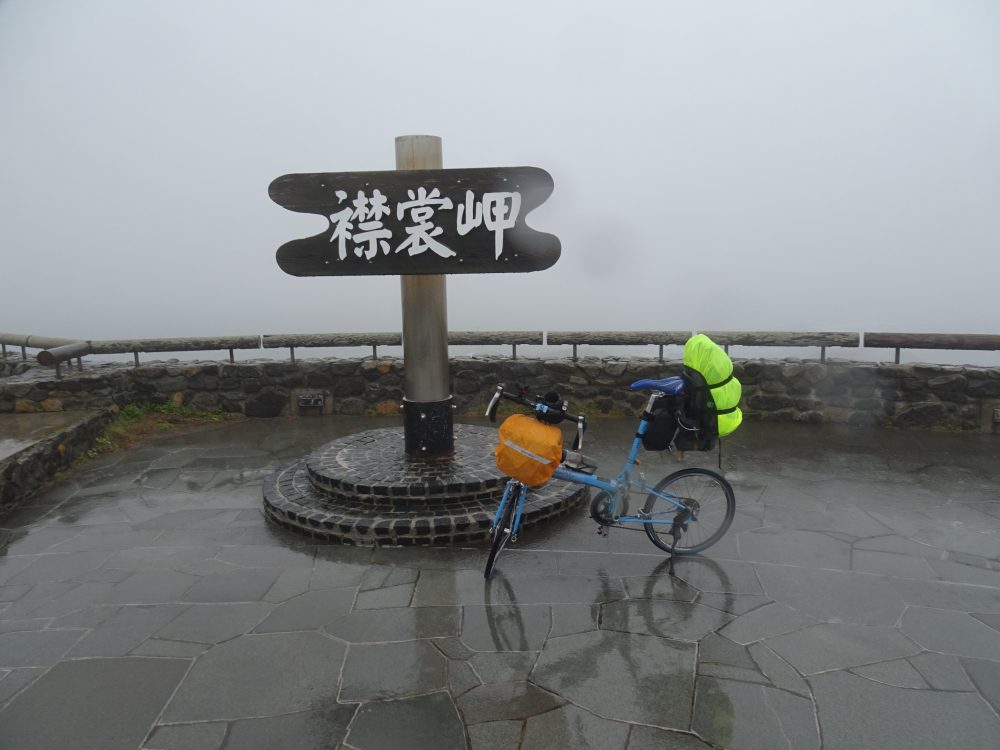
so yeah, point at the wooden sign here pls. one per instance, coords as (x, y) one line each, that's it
(435, 221)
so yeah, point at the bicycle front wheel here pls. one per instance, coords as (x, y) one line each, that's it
(503, 530)
(706, 508)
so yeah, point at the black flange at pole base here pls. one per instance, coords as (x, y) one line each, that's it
(428, 428)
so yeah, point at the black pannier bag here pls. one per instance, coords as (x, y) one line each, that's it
(688, 422)
(663, 426)
(697, 420)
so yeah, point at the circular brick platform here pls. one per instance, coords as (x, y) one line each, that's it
(363, 489)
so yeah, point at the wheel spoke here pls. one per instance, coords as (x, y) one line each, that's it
(708, 510)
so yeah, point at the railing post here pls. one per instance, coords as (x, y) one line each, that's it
(661, 354)
(79, 364)
(291, 351)
(58, 371)
(24, 352)
(374, 353)
(136, 355)
(514, 353)
(574, 352)
(822, 354)
(232, 359)
(4, 347)
(897, 355)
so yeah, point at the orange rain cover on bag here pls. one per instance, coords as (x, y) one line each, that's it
(528, 450)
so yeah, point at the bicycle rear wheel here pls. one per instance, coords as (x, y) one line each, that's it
(708, 508)
(503, 530)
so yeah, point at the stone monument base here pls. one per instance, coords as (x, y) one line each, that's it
(362, 489)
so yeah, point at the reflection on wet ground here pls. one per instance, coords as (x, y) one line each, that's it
(855, 602)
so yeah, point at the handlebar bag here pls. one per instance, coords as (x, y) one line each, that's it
(528, 450)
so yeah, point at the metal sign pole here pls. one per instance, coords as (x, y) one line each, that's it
(427, 401)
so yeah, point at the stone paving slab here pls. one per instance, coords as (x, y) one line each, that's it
(856, 712)
(145, 602)
(92, 704)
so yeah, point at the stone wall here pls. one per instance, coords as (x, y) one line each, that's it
(861, 393)
(23, 473)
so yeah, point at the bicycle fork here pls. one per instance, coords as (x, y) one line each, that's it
(513, 492)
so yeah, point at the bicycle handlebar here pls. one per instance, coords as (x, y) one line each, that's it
(539, 406)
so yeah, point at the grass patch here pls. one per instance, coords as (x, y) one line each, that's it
(136, 422)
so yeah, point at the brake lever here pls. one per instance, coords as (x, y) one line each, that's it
(491, 410)
(581, 427)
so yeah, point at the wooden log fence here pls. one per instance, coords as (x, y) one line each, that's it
(726, 339)
(953, 341)
(617, 338)
(30, 342)
(190, 344)
(59, 354)
(293, 340)
(496, 338)
(57, 350)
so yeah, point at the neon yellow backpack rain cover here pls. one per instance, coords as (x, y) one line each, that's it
(708, 358)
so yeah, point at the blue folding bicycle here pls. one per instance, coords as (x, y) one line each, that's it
(684, 513)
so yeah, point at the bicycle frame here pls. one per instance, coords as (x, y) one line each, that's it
(613, 487)
(624, 480)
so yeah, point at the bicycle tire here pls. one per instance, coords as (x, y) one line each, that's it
(502, 531)
(715, 504)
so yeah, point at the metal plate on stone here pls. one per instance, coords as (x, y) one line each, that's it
(435, 221)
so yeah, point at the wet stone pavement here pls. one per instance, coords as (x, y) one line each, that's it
(855, 603)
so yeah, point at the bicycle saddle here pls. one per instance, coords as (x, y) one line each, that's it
(671, 386)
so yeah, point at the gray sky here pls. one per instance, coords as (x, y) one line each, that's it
(717, 165)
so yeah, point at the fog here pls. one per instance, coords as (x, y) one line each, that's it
(745, 166)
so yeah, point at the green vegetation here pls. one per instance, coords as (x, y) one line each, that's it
(103, 444)
(136, 422)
